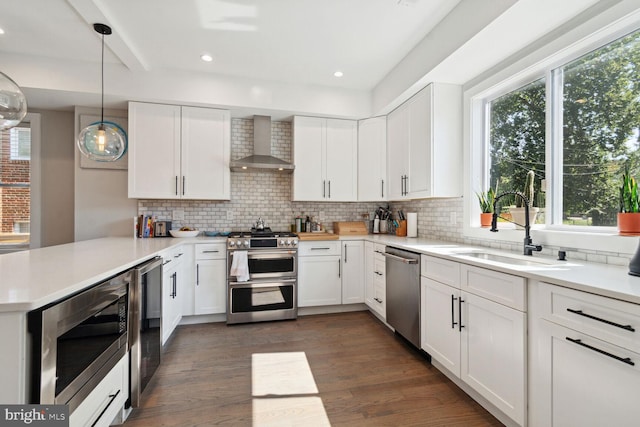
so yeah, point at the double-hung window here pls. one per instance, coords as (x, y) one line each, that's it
(577, 127)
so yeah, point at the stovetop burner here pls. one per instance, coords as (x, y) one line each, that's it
(267, 232)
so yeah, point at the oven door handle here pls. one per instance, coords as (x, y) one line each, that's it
(264, 254)
(263, 284)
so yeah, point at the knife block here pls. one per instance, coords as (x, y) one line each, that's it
(401, 230)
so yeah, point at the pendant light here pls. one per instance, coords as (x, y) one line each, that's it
(102, 141)
(13, 104)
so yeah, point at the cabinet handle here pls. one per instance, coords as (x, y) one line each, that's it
(210, 252)
(179, 255)
(378, 273)
(176, 185)
(175, 285)
(329, 194)
(339, 269)
(183, 184)
(460, 325)
(112, 397)
(402, 185)
(324, 189)
(378, 300)
(197, 274)
(453, 322)
(608, 322)
(626, 360)
(166, 262)
(345, 253)
(382, 189)
(320, 249)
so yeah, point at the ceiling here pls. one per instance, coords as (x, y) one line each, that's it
(267, 54)
(299, 41)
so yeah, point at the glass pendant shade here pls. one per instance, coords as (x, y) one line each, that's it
(13, 104)
(102, 141)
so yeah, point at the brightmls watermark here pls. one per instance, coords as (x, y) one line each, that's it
(34, 415)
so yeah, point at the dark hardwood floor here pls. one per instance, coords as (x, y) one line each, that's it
(366, 376)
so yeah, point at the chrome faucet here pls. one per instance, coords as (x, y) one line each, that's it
(529, 247)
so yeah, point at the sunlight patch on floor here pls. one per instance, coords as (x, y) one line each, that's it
(279, 385)
(281, 374)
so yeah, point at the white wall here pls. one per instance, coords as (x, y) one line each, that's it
(101, 205)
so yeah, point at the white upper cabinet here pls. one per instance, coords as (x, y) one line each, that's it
(424, 144)
(325, 153)
(179, 152)
(372, 159)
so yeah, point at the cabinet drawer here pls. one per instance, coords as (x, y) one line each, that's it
(320, 248)
(173, 256)
(441, 270)
(211, 251)
(108, 396)
(614, 321)
(499, 287)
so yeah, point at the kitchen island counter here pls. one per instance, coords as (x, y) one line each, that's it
(34, 278)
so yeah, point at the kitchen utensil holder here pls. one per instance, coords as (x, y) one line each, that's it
(401, 230)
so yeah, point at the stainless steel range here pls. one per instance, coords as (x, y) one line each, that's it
(262, 276)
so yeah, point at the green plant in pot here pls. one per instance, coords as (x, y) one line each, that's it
(518, 213)
(628, 215)
(486, 200)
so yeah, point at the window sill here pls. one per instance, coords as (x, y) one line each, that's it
(602, 239)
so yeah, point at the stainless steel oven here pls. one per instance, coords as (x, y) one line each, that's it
(267, 263)
(77, 341)
(262, 276)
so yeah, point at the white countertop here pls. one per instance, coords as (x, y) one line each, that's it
(602, 279)
(32, 279)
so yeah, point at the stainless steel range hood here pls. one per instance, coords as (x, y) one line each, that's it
(261, 158)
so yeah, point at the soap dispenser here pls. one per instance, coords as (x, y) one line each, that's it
(634, 264)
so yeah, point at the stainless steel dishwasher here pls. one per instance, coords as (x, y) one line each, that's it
(403, 293)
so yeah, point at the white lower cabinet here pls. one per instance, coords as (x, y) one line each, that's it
(211, 278)
(585, 387)
(375, 278)
(319, 274)
(173, 285)
(478, 340)
(440, 323)
(352, 272)
(106, 401)
(585, 364)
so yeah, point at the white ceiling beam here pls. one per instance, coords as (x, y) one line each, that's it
(92, 11)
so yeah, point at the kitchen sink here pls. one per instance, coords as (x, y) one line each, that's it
(507, 259)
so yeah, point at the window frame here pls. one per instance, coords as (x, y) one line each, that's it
(14, 143)
(537, 64)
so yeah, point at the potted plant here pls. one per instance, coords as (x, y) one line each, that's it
(517, 213)
(486, 200)
(628, 215)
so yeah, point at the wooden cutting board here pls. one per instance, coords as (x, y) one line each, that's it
(352, 228)
(317, 236)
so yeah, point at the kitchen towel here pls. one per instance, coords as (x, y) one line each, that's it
(240, 266)
(412, 224)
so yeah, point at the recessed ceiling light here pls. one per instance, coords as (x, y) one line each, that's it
(206, 57)
(1, 31)
(338, 74)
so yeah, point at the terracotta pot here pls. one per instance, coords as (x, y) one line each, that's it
(517, 215)
(485, 219)
(629, 224)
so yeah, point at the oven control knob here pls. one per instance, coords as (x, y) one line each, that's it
(232, 243)
(246, 243)
(295, 242)
(288, 242)
(282, 243)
